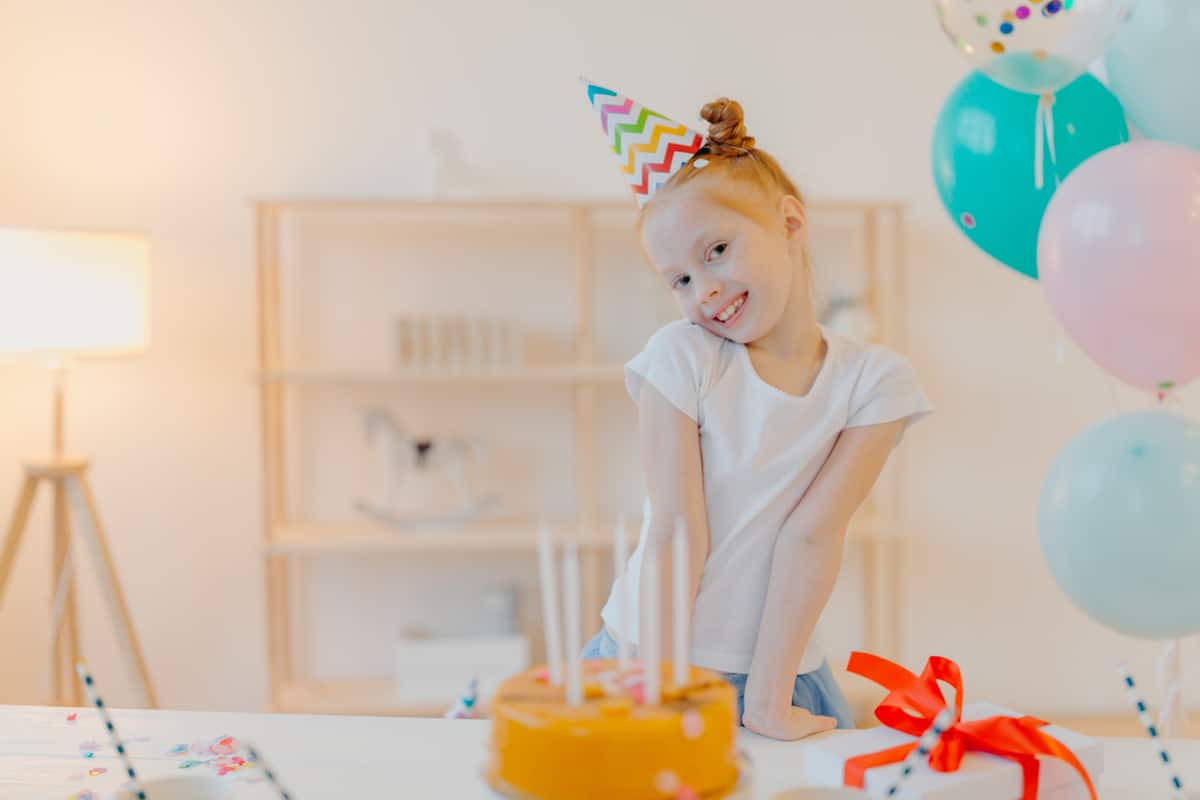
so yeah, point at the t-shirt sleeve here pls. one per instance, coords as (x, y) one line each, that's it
(888, 390)
(676, 361)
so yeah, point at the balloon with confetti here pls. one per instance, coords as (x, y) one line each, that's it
(1033, 46)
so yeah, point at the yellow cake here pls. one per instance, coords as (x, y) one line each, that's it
(613, 746)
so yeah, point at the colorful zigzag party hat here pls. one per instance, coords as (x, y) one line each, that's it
(649, 147)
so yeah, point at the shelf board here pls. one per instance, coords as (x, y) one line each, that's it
(499, 536)
(531, 203)
(565, 374)
(356, 697)
(360, 537)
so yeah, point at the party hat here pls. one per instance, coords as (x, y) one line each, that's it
(650, 147)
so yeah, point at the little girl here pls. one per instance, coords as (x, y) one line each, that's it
(760, 429)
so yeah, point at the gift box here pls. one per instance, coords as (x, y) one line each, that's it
(989, 753)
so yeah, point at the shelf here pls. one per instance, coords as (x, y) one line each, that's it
(532, 203)
(519, 535)
(501, 536)
(567, 374)
(356, 697)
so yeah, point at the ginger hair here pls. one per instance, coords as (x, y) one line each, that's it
(729, 152)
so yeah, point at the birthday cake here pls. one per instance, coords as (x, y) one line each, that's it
(613, 744)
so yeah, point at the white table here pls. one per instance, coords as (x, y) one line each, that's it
(346, 757)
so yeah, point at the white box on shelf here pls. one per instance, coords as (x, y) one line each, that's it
(980, 777)
(440, 668)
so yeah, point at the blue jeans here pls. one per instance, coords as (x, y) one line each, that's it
(816, 691)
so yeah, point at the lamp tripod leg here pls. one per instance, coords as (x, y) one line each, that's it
(93, 533)
(16, 530)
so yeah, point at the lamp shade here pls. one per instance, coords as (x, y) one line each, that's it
(75, 294)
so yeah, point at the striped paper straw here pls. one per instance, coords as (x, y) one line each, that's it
(257, 758)
(929, 740)
(1144, 716)
(90, 686)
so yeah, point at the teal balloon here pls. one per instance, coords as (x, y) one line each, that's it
(1153, 66)
(1119, 517)
(983, 159)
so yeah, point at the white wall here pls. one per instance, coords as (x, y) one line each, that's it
(168, 116)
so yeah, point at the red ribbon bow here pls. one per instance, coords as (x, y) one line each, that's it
(912, 704)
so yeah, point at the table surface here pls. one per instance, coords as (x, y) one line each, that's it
(43, 755)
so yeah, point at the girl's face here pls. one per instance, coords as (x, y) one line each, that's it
(730, 260)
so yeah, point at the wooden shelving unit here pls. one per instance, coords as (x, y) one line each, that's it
(583, 375)
(566, 376)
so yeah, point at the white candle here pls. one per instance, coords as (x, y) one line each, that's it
(550, 624)
(571, 599)
(649, 638)
(621, 577)
(681, 613)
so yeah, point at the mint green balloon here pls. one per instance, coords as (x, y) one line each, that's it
(983, 159)
(1153, 65)
(1120, 523)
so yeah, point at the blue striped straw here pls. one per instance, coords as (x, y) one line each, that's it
(257, 759)
(90, 686)
(929, 740)
(1148, 724)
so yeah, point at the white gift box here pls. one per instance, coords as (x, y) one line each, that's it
(981, 776)
(441, 668)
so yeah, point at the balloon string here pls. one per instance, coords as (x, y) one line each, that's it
(1043, 134)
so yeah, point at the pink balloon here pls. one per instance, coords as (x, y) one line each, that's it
(1119, 255)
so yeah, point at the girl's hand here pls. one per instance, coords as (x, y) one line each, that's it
(794, 723)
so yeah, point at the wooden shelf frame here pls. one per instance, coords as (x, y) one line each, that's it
(286, 541)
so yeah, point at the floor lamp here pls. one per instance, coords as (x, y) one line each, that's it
(63, 296)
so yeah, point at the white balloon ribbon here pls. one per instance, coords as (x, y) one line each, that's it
(1043, 138)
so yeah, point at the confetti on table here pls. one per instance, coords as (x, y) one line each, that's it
(86, 794)
(94, 771)
(178, 750)
(227, 764)
(89, 748)
(189, 763)
(73, 716)
(226, 745)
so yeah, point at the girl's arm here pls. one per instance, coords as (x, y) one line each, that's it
(670, 447)
(804, 568)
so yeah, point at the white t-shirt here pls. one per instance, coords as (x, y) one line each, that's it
(761, 448)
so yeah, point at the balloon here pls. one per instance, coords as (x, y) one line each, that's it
(1153, 64)
(1119, 253)
(984, 155)
(1030, 46)
(1119, 517)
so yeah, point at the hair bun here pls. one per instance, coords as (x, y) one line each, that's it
(726, 124)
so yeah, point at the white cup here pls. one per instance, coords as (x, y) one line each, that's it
(181, 787)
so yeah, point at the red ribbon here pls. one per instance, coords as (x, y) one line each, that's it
(912, 704)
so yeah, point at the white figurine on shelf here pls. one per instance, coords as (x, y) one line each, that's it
(409, 463)
(452, 173)
(850, 317)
